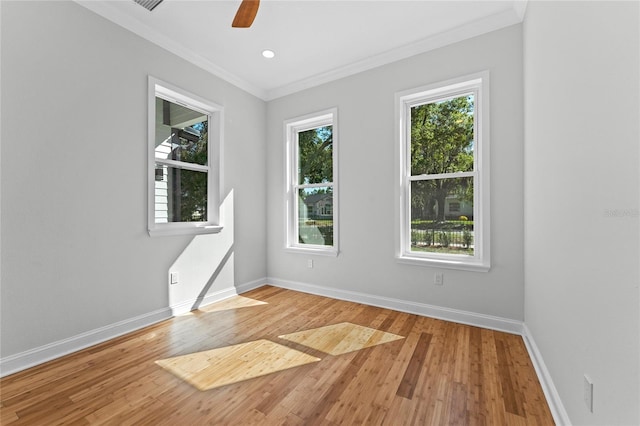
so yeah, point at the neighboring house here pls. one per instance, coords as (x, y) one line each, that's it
(455, 207)
(163, 150)
(173, 132)
(319, 205)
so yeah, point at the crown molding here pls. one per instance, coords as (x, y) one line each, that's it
(520, 7)
(495, 22)
(473, 29)
(112, 14)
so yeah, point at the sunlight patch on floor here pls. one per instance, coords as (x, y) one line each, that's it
(341, 338)
(218, 367)
(234, 302)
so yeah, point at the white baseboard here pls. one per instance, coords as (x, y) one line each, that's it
(558, 411)
(453, 315)
(187, 306)
(32, 357)
(464, 317)
(14, 363)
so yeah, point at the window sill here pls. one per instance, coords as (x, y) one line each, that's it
(191, 230)
(462, 265)
(317, 250)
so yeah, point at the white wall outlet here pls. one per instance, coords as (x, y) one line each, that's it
(588, 393)
(173, 278)
(309, 263)
(438, 278)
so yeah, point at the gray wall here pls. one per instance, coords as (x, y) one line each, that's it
(581, 196)
(76, 255)
(365, 103)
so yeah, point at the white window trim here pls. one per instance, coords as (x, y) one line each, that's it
(481, 261)
(291, 129)
(215, 115)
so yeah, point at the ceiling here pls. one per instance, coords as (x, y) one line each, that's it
(315, 41)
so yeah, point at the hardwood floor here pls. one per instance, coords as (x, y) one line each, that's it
(441, 373)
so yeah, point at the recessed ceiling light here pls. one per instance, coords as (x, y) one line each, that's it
(268, 53)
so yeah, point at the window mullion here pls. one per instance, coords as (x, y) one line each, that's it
(182, 165)
(442, 176)
(313, 185)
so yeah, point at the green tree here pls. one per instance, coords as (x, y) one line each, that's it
(441, 142)
(315, 165)
(315, 149)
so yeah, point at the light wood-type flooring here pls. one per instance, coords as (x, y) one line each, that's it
(434, 373)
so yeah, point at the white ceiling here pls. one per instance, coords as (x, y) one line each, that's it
(315, 40)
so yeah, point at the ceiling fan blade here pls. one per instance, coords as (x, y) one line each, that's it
(246, 14)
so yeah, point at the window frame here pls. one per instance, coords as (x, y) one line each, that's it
(477, 83)
(215, 117)
(292, 127)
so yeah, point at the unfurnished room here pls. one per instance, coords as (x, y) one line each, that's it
(319, 212)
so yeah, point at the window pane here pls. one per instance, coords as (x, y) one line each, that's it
(315, 155)
(181, 133)
(315, 216)
(442, 216)
(180, 195)
(442, 139)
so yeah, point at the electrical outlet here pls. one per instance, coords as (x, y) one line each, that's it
(438, 278)
(310, 263)
(173, 278)
(588, 393)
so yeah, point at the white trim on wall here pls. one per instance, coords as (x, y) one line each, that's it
(30, 358)
(474, 29)
(470, 30)
(558, 411)
(454, 315)
(107, 11)
(18, 362)
(188, 305)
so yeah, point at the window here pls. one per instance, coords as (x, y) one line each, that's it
(184, 165)
(312, 193)
(444, 189)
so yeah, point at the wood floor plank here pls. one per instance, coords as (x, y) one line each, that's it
(512, 394)
(438, 373)
(476, 396)
(412, 373)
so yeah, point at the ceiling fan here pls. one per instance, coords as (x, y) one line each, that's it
(244, 16)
